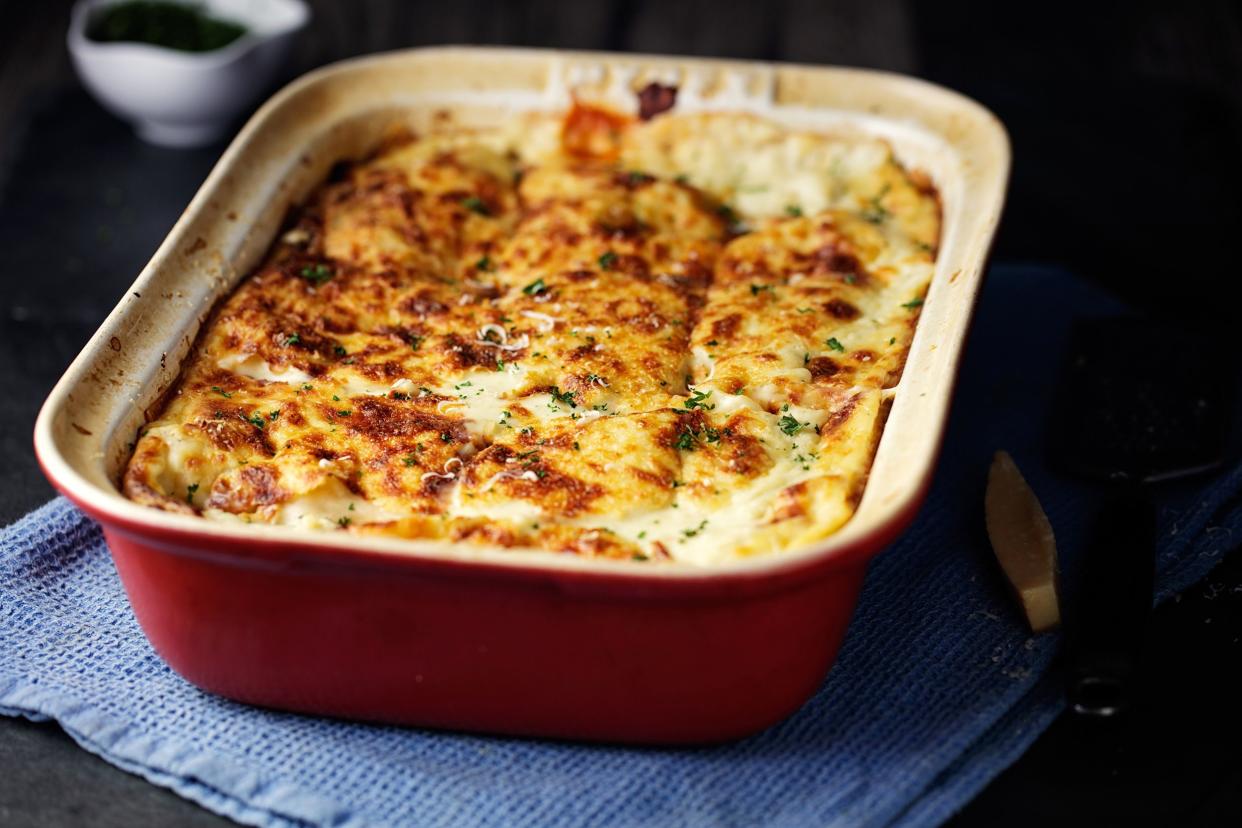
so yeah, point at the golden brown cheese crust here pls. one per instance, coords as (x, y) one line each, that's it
(584, 353)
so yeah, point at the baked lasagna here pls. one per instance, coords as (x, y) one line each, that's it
(668, 337)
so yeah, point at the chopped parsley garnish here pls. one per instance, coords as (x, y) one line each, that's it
(690, 533)
(712, 343)
(912, 304)
(343, 521)
(484, 264)
(727, 213)
(189, 493)
(685, 441)
(892, 340)
(638, 556)
(221, 392)
(445, 437)
(793, 211)
(535, 287)
(273, 415)
(476, 205)
(698, 400)
(790, 426)
(607, 260)
(256, 420)
(339, 350)
(306, 386)
(682, 179)
(293, 339)
(755, 290)
(409, 460)
(850, 278)
(835, 344)
(316, 273)
(566, 397)
(343, 412)
(875, 212)
(415, 341)
(335, 398)
(576, 446)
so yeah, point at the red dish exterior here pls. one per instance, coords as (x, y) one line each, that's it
(436, 643)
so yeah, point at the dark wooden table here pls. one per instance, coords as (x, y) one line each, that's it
(1125, 126)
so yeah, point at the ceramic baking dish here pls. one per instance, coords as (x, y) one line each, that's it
(488, 639)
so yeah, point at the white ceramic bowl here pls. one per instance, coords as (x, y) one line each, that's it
(177, 98)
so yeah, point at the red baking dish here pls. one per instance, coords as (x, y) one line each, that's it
(485, 639)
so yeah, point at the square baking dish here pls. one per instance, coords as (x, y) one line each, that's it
(466, 637)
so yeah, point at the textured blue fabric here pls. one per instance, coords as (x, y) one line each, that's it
(937, 688)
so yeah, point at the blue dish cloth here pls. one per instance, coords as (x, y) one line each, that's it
(939, 686)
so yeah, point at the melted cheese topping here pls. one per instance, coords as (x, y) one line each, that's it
(652, 340)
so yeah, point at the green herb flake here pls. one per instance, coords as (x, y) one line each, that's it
(793, 211)
(343, 521)
(293, 339)
(875, 212)
(690, 533)
(221, 392)
(913, 303)
(698, 399)
(755, 290)
(607, 261)
(476, 205)
(484, 264)
(534, 288)
(566, 397)
(835, 344)
(189, 493)
(316, 274)
(256, 420)
(790, 425)
(685, 441)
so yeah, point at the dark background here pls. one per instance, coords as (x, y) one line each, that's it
(1126, 121)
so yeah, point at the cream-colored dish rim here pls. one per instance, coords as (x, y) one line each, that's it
(287, 147)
